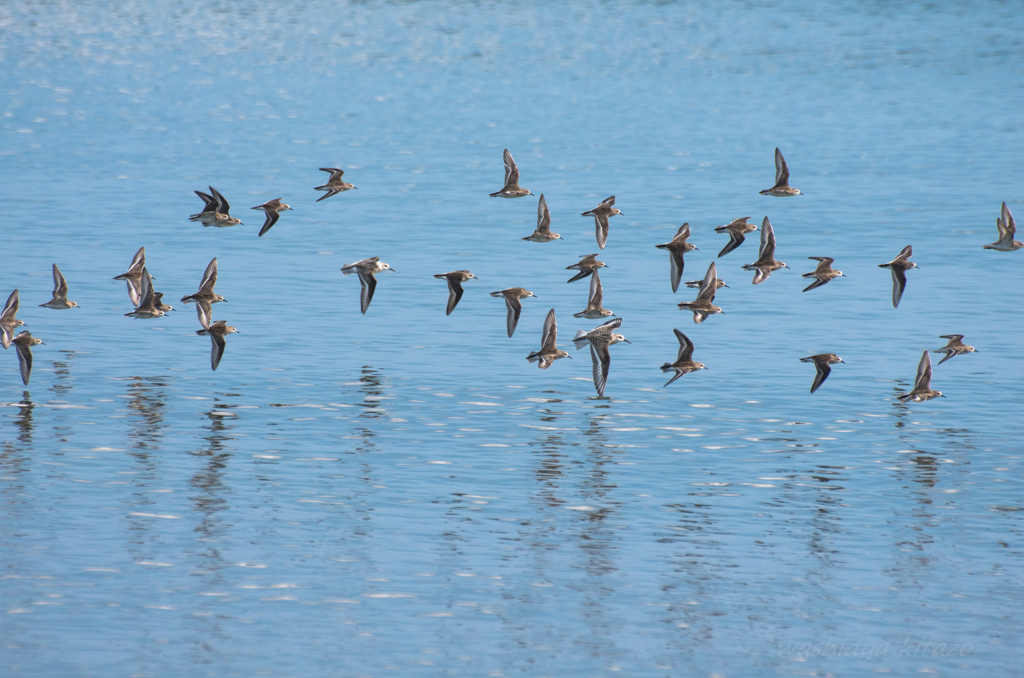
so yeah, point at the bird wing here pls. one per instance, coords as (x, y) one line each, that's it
(596, 292)
(511, 170)
(368, 282)
(217, 345)
(781, 169)
(899, 282)
(203, 312)
(685, 347)
(601, 358)
(454, 294)
(271, 219)
(222, 204)
(24, 361)
(822, 373)
(209, 280)
(549, 335)
(709, 285)
(767, 240)
(543, 216)
(60, 285)
(11, 307)
(924, 373)
(515, 308)
(601, 229)
(675, 258)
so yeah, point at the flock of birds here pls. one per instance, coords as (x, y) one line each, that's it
(216, 212)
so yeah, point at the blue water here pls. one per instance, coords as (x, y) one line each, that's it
(401, 493)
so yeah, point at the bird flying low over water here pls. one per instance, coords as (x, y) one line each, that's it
(600, 339)
(1007, 230)
(954, 347)
(766, 263)
(205, 296)
(821, 361)
(133, 276)
(511, 188)
(455, 280)
(217, 331)
(335, 184)
(215, 211)
(367, 270)
(273, 209)
(823, 273)
(60, 299)
(604, 211)
(147, 308)
(543, 231)
(549, 351)
(23, 344)
(922, 390)
(513, 297)
(585, 266)
(677, 247)
(684, 363)
(737, 230)
(781, 188)
(702, 306)
(594, 309)
(899, 267)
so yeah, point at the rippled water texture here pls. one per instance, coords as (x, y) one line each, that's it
(400, 492)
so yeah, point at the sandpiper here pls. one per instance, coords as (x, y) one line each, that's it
(335, 184)
(217, 331)
(821, 364)
(586, 266)
(1007, 229)
(766, 263)
(549, 351)
(677, 247)
(684, 363)
(604, 211)
(205, 296)
(455, 280)
(216, 211)
(543, 231)
(899, 267)
(367, 269)
(513, 297)
(922, 383)
(823, 273)
(511, 188)
(23, 343)
(600, 338)
(60, 299)
(781, 188)
(737, 230)
(954, 347)
(133, 276)
(147, 300)
(273, 209)
(702, 306)
(8, 321)
(594, 310)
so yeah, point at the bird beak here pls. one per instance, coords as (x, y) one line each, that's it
(627, 341)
